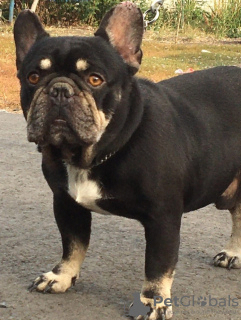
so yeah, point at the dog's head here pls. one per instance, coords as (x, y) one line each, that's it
(71, 87)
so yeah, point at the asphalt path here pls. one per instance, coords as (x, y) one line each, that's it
(114, 267)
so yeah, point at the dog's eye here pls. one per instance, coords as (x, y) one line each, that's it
(94, 80)
(33, 78)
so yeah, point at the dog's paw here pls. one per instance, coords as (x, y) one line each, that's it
(157, 314)
(52, 283)
(228, 259)
(147, 311)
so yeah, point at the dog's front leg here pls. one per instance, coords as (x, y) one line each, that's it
(162, 244)
(74, 223)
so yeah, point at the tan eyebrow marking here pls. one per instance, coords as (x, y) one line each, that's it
(45, 64)
(81, 65)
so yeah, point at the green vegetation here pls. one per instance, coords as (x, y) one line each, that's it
(224, 20)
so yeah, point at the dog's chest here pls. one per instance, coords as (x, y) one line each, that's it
(84, 190)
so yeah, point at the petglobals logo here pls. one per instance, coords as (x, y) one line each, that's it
(202, 301)
(137, 308)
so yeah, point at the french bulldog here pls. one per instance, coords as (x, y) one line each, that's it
(116, 144)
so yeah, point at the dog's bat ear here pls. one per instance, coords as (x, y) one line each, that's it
(27, 30)
(123, 27)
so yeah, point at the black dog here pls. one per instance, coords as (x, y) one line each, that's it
(113, 143)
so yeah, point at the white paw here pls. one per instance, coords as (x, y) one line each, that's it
(152, 312)
(158, 314)
(53, 283)
(228, 259)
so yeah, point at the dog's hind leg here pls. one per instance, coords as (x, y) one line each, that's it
(162, 244)
(230, 257)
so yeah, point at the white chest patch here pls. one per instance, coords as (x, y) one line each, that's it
(83, 190)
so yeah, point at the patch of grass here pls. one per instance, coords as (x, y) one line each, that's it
(161, 58)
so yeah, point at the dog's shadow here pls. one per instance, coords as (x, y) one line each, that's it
(118, 297)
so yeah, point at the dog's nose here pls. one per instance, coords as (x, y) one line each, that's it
(61, 91)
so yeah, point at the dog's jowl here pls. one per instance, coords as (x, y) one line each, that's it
(116, 144)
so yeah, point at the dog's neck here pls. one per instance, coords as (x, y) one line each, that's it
(121, 133)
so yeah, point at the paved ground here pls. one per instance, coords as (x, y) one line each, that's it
(113, 270)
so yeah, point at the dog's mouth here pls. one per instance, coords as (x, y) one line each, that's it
(73, 150)
(59, 122)
(52, 130)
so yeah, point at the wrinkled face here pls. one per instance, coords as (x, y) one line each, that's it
(70, 87)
